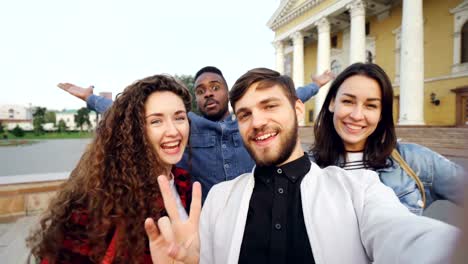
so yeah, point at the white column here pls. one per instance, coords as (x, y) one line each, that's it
(298, 62)
(323, 60)
(412, 64)
(279, 50)
(358, 32)
(298, 59)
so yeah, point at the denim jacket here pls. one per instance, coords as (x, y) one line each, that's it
(216, 152)
(442, 179)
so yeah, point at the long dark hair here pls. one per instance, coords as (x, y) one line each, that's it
(329, 147)
(114, 182)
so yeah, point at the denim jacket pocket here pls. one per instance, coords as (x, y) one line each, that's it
(203, 140)
(411, 198)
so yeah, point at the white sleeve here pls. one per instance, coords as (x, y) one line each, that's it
(392, 234)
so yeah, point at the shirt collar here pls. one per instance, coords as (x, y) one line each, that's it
(230, 117)
(294, 170)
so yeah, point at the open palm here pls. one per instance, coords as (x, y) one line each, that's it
(77, 91)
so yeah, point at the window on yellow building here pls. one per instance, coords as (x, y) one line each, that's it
(464, 48)
(311, 115)
(334, 42)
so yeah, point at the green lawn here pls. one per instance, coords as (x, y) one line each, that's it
(50, 135)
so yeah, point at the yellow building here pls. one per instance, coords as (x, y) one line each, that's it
(421, 44)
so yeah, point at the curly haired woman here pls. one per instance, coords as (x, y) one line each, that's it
(98, 215)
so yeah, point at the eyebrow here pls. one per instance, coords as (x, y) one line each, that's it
(368, 99)
(263, 102)
(215, 81)
(160, 114)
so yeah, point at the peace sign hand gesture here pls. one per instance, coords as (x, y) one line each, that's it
(174, 239)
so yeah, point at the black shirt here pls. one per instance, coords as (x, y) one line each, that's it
(275, 231)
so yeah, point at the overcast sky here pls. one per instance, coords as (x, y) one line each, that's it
(111, 43)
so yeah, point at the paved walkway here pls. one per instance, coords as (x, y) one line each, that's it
(13, 248)
(46, 156)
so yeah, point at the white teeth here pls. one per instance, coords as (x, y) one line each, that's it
(265, 136)
(353, 126)
(171, 144)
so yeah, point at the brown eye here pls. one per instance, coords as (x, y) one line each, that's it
(156, 122)
(199, 91)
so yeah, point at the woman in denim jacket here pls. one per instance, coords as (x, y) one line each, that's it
(355, 131)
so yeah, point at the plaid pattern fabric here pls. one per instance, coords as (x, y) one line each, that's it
(76, 249)
(183, 186)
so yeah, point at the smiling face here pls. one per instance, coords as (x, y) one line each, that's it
(167, 126)
(212, 96)
(268, 125)
(356, 111)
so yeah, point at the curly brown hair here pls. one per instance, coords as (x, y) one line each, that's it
(114, 183)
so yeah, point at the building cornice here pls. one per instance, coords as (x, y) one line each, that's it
(333, 8)
(461, 7)
(284, 14)
(439, 78)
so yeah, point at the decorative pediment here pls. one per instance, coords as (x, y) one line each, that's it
(461, 7)
(290, 9)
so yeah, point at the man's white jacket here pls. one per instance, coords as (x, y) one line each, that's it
(348, 218)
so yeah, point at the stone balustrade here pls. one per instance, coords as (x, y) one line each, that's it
(23, 195)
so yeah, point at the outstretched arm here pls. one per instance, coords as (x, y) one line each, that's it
(174, 239)
(93, 102)
(308, 91)
(77, 91)
(392, 234)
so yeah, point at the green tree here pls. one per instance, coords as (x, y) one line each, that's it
(50, 117)
(189, 81)
(62, 126)
(17, 131)
(39, 119)
(1, 127)
(82, 118)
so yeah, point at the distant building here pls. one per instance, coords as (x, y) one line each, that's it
(13, 115)
(69, 117)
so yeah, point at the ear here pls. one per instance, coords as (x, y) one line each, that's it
(331, 106)
(300, 109)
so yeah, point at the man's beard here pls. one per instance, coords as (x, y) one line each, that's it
(215, 116)
(285, 149)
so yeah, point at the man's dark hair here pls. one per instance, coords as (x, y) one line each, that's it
(329, 146)
(210, 69)
(265, 78)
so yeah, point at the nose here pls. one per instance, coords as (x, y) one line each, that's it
(171, 129)
(258, 120)
(208, 93)
(357, 113)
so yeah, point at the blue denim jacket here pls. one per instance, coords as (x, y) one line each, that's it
(216, 152)
(442, 179)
